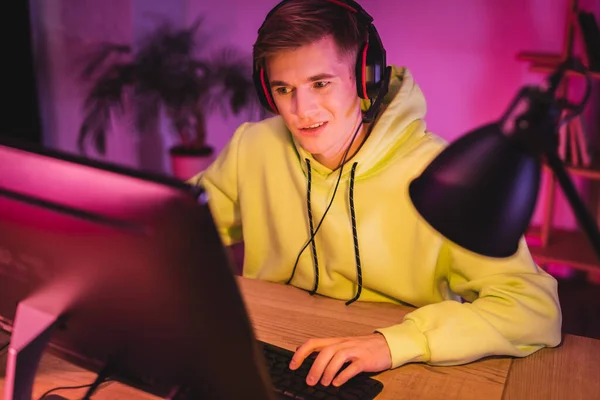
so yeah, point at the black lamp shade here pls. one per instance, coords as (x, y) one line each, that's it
(480, 192)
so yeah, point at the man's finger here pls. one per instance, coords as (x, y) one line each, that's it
(350, 371)
(320, 363)
(308, 347)
(334, 365)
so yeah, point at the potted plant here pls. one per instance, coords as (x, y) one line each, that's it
(165, 71)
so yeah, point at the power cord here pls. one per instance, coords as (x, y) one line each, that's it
(89, 385)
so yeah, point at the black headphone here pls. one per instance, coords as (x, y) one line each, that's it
(370, 63)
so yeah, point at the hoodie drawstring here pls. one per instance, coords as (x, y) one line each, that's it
(355, 236)
(312, 230)
(312, 234)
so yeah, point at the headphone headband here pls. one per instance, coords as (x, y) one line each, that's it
(352, 6)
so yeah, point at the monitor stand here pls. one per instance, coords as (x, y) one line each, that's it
(30, 335)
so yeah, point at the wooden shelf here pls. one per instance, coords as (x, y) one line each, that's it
(548, 62)
(564, 247)
(591, 172)
(537, 57)
(549, 68)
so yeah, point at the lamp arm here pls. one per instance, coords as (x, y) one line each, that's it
(536, 129)
(583, 216)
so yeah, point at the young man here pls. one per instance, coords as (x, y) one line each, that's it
(272, 184)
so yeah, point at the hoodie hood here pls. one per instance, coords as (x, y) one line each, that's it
(403, 106)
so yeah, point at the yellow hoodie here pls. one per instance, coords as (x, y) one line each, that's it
(469, 306)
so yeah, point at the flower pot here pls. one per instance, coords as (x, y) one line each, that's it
(187, 162)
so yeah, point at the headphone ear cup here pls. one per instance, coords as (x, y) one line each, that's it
(361, 71)
(263, 90)
(370, 66)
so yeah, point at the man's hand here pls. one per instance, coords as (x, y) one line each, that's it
(365, 354)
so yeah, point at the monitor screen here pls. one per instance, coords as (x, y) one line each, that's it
(121, 272)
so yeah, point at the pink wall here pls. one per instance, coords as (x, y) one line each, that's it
(462, 53)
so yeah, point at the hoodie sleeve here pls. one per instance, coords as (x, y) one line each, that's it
(220, 180)
(510, 308)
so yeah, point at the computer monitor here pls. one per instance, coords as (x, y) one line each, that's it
(122, 273)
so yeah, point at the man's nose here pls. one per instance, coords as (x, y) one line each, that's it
(304, 103)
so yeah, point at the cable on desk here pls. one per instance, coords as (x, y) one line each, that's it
(106, 383)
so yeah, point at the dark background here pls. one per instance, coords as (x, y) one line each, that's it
(19, 111)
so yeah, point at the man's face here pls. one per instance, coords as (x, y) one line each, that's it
(315, 92)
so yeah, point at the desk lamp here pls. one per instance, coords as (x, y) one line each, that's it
(480, 191)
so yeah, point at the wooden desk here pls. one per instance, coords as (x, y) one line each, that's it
(286, 316)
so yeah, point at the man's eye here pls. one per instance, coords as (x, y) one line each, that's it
(282, 90)
(321, 84)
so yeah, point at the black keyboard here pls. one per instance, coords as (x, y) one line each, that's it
(292, 383)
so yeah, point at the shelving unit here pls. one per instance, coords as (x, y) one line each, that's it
(548, 244)
(567, 247)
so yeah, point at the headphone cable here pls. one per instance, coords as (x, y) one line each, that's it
(372, 116)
